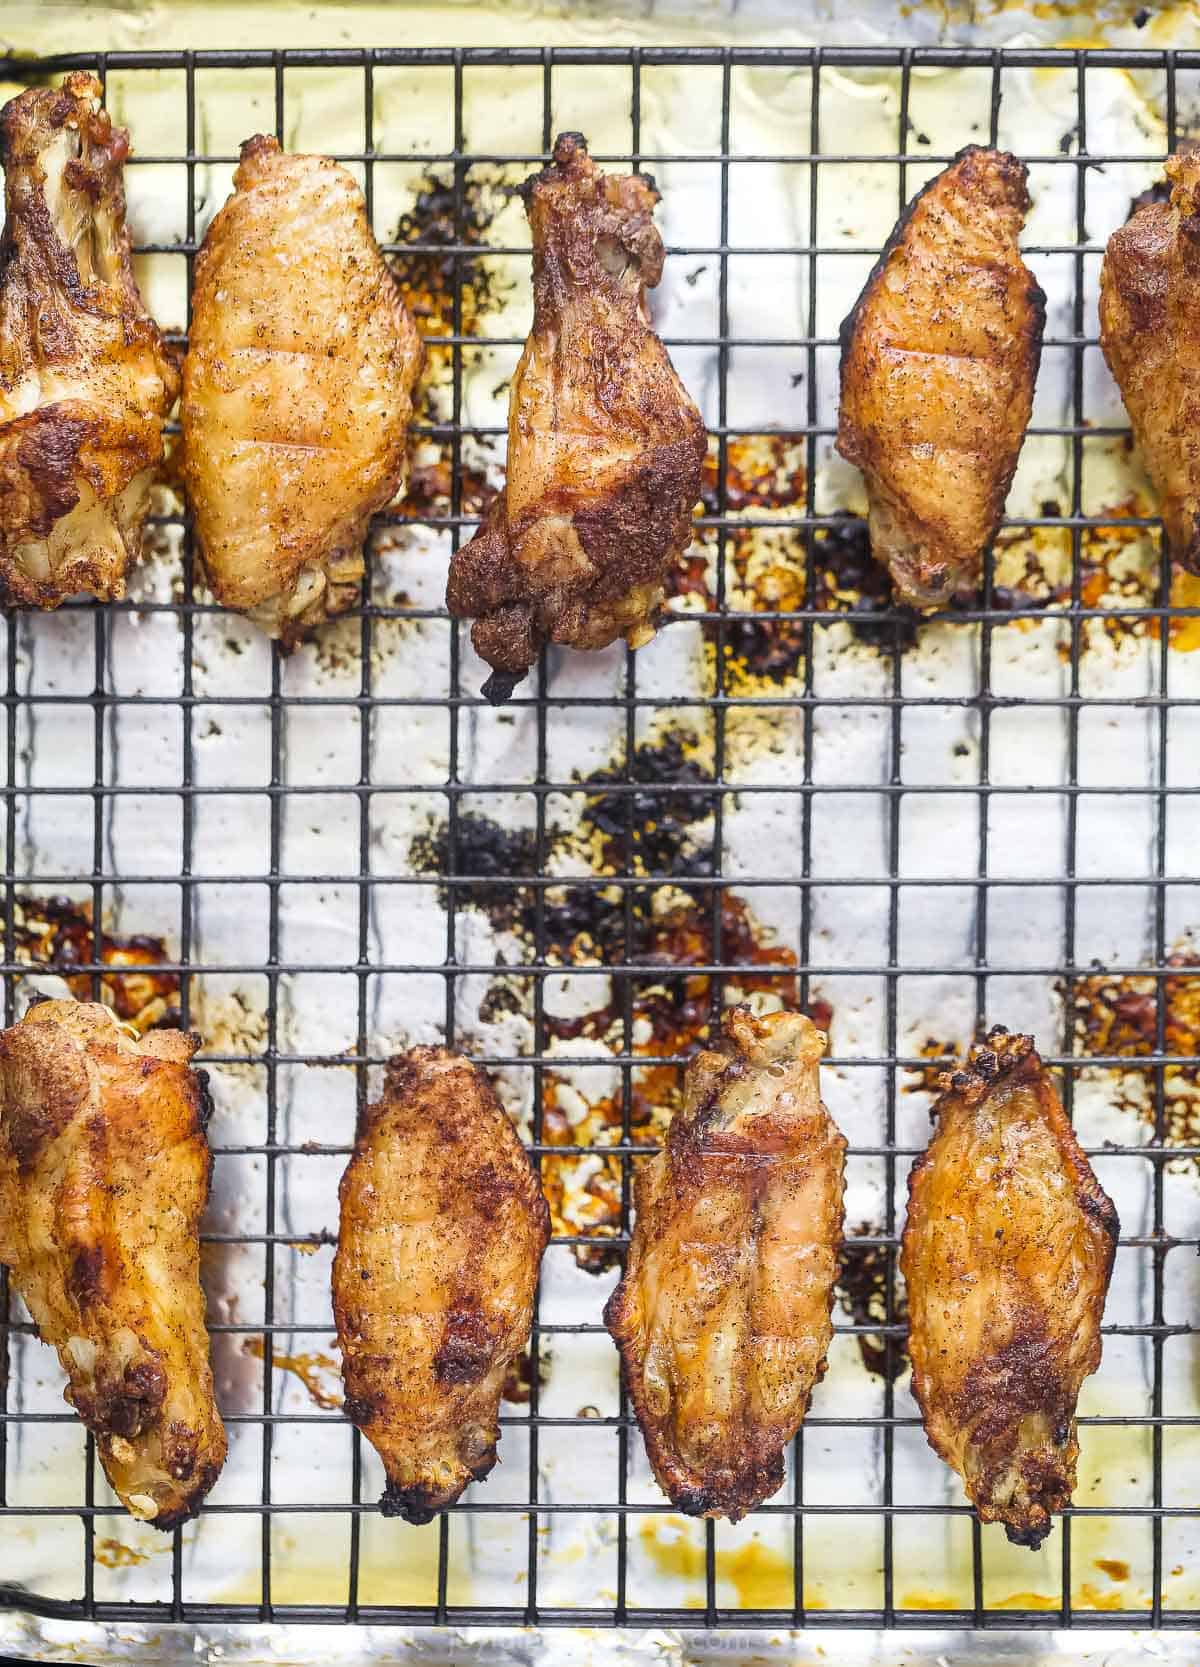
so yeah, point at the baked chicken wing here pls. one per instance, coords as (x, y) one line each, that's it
(723, 1315)
(939, 359)
(85, 377)
(442, 1231)
(297, 390)
(1149, 308)
(605, 445)
(1007, 1254)
(104, 1174)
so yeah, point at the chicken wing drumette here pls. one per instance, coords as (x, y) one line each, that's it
(443, 1226)
(104, 1174)
(1149, 308)
(1007, 1253)
(939, 358)
(297, 390)
(723, 1315)
(86, 380)
(605, 445)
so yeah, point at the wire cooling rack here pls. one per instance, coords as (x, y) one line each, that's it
(892, 1516)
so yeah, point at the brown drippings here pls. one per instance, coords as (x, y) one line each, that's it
(54, 934)
(1118, 1016)
(114, 1554)
(663, 927)
(426, 269)
(926, 1079)
(1114, 1569)
(306, 1367)
(862, 1285)
(430, 487)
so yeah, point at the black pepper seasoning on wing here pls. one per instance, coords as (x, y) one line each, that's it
(1149, 312)
(939, 359)
(1007, 1254)
(605, 445)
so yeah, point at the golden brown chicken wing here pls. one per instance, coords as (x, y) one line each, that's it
(605, 446)
(104, 1173)
(1007, 1254)
(723, 1315)
(442, 1232)
(1149, 306)
(85, 377)
(297, 390)
(939, 359)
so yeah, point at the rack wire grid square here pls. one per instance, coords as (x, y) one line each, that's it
(345, 1521)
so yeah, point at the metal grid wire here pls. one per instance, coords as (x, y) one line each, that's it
(806, 1517)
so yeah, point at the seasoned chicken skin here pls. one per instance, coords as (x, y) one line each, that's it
(297, 390)
(442, 1231)
(85, 377)
(1007, 1253)
(723, 1315)
(939, 359)
(605, 445)
(1149, 308)
(104, 1174)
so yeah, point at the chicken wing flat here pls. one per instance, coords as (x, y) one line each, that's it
(104, 1174)
(939, 359)
(605, 445)
(1149, 307)
(1007, 1254)
(443, 1227)
(85, 377)
(297, 390)
(723, 1315)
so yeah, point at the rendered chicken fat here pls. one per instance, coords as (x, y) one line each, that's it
(443, 1225)
(297, 390)
(86, 379)
(104, 1174)
(605, 446)
(1007, 1254)
(939, 359)
(723, 1314)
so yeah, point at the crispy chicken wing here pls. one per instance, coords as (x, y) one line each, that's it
(1149, 308)
(723, 1315)
(939, 359)
(605, 445)
(297, 390)
(442, 1232)
(104, 1173)
(1007, 1254)
(85, 377)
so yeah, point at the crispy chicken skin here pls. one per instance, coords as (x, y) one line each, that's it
(297, 390)
(85, 377)
(1007, 1253)
(605, 445)
(939, 359)
(1149, 307)
(104, 1174)
(443, 1226)
(723, 1315)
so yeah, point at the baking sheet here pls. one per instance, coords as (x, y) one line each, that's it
(142, 747)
